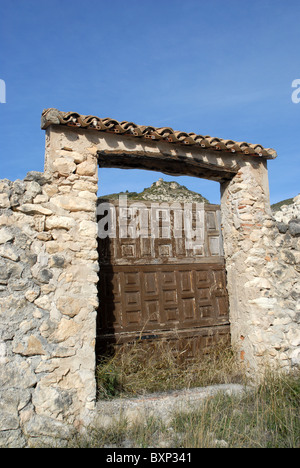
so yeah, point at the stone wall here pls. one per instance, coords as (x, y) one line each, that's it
(48, 302)
(285, 273)
(262, 261)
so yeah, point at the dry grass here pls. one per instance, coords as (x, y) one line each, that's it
(137, 369)
(266, 417)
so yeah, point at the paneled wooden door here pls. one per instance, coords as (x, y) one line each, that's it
(159, 282)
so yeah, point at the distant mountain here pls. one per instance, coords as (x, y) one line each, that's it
(276, 206)
(162, 191)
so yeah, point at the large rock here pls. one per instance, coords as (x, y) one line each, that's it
(34, 209)
(59, 222)
(73, 204)
(294, 228)
(64, 166)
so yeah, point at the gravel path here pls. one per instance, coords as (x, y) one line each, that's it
(159, 405)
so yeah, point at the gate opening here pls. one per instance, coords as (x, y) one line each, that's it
(76, 145)
(162, 275)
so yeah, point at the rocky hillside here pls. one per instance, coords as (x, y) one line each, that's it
(162, 191)
(289, 213)
(277, 206)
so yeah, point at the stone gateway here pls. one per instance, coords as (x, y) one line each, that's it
(49, 265)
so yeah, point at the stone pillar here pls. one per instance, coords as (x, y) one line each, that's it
(48, 296)
(66, 390)
(246, 215)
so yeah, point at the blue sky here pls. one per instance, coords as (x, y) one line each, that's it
(220, 67)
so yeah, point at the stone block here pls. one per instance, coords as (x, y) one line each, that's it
(39, 177)
(295, 357)
(9, 252)
(32, 294)
(85, 185)
(43, 302)
(282, 227)
(51, 431)
(59, 222)
(288, 257)
(33, 347)
(74, 204)
(57, 261)
(64, 166)
(43, 275)
(294, 228)
(34, 209)
(78, 157)
(65, 330)
(9, 417)
(88, 195)
(87, 168)
(41, 199)
(70, 306)
(88, 229)
(6, 235)
(4, 201)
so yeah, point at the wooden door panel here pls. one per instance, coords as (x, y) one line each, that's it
(159, 288)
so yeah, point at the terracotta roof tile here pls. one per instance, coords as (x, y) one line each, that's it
(73, 119)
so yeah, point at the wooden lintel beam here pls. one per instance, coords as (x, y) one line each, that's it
(166, 164)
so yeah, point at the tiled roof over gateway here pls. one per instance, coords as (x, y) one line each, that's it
(73, 119)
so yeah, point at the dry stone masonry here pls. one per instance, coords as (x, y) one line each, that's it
(262, 262)
(49, 267)
(48, 301)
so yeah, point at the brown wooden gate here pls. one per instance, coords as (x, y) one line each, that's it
(160, 284)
